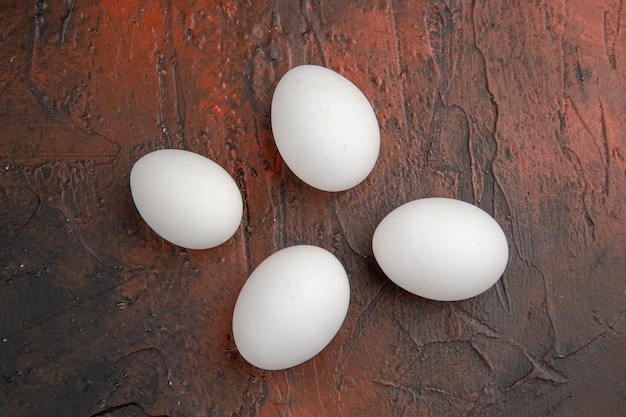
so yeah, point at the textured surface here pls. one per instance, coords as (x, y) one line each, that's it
(515, 106)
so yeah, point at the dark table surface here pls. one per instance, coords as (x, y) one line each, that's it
(516, 106)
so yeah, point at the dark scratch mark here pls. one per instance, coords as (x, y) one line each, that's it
(495, 108)
(476, 325)
(40, 9)
(549, 307)
(403, 326)
(40, 25)
(501, 288)
(483, 358)
(162, 95)
(605, 142)
(32, 215)
(611, 327)
(148, 350)
(434, 131)
(358, 327)
(604, 137)
(581, 74)
(133, 274)
(503, 295)
(313, 27)
(125, 407)
(76, 230)
(562, 119)
(8, 81)
(151, 349)
(612, 22)
(179, 120)
(253, 402)
(583, 346)
(344, 230)
(396, 38)
(280, 208)
(475, 170)
(577, 164)
(240, 179)
(540, 370)
(118, 39)
(486, 393)
(440, 28)
(413, 392)
(65, 23)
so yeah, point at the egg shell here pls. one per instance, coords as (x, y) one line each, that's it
(187, 199)
(324, 128)
(441, 249)
(291, 307)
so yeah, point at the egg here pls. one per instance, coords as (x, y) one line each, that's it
(324, 127)
(291, 307)
(187, 199)
(440, 248)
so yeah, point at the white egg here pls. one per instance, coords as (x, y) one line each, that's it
(186, 198)
(324, 127)
(441, 248)
(291, 307)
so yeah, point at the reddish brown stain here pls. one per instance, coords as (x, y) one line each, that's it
(515, 106)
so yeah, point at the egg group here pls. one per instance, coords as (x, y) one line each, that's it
(441, 248)
(324, 128)
(295, 301)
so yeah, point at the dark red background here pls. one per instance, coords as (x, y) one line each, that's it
(516, 106)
